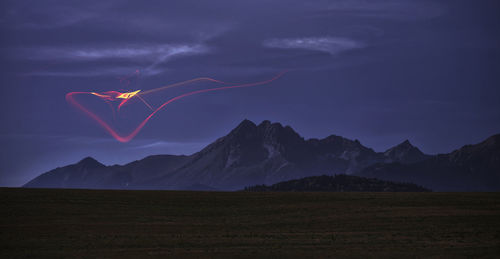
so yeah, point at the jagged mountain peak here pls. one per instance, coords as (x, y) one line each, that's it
(405, 152)
(403, 146)
(268, 127)
(276, 132)
(271, 125)
(266, 131)
(244, 131)
(245, 125)
(89, 162)
(265, 124)
(406, 143)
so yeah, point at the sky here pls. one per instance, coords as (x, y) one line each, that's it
(380, 71)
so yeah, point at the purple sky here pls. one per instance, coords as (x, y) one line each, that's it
(378, 71)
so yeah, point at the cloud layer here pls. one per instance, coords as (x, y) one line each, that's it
(331, 45)
(150, 36)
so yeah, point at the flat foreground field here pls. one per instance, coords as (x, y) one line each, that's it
(93, 223)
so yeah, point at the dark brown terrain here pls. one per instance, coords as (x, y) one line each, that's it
(94, 223)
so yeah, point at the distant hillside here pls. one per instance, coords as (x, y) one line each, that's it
(338, 183)
(470, 168)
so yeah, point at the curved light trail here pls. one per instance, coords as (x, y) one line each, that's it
(111, 96)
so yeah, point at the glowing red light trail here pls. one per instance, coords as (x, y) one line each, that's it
(124, 97)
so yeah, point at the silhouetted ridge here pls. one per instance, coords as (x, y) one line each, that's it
(338, 183)
(245, 126)
(268, 153)
(469, 168)
(89, 162)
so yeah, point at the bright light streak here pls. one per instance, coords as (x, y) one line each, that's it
(111, 96)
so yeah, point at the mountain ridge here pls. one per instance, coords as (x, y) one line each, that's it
(250, 154)
(469, 168)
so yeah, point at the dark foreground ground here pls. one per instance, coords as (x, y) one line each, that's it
(54, 223)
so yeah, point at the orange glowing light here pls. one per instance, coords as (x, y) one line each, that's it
(110, 96)
(128, 95)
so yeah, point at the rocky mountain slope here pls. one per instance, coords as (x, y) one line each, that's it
(259, 154)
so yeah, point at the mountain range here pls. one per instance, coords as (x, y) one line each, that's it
(270, 152)
(470, 168)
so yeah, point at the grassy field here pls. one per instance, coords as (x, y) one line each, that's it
(54, 223)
